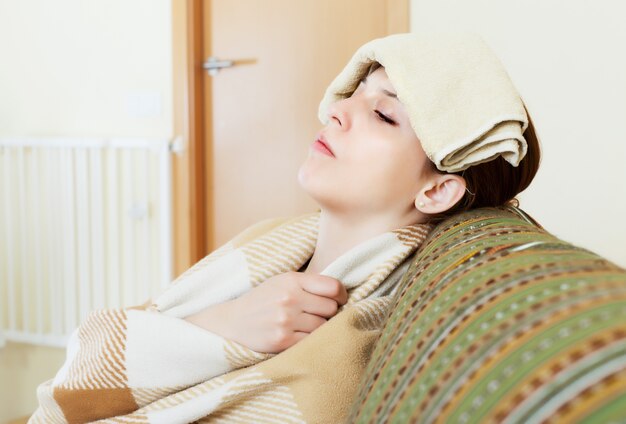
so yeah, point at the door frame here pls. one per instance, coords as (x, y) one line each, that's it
(189, 193)
(192, 197)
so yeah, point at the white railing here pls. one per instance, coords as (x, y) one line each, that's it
(84, 224)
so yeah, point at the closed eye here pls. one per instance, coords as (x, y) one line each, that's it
(384, 117)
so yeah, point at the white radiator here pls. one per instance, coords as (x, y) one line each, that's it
(84, 224)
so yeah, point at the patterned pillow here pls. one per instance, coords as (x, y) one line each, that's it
(497, 320)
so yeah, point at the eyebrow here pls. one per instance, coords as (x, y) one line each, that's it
(385, 92)
(390, 94)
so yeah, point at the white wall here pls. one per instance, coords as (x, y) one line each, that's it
(86, 68)
(91, 68)
(568, 60)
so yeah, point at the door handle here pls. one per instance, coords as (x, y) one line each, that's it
(213, 65)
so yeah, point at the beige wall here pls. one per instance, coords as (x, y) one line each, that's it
(567, 60)
(78, 68)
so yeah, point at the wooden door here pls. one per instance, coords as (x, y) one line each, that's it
(255, 121)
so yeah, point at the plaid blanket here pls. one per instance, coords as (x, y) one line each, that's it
(148, 365)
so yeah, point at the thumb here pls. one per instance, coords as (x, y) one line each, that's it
(323, 285)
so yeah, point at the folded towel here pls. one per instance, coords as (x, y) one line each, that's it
(460, 100)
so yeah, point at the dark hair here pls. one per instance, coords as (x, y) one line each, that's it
(497, 182)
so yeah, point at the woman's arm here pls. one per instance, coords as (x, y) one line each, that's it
(276, 314)
(114, 353)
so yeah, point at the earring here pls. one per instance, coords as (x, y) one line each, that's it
(421, 204)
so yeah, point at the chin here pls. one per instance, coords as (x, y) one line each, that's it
(303, 176)
(309, 176)
(307, 182)
(321, 187)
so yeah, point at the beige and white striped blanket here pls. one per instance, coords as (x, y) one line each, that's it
(147, 365)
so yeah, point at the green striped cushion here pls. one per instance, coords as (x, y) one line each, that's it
(498, 320)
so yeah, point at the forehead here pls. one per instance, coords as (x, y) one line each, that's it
(377, 74)
(378, 80)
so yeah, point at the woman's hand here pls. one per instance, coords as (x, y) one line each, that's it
(276, 314)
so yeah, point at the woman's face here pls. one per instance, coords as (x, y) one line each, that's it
(368, 157)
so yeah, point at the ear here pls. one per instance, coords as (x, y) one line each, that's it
(441, 193)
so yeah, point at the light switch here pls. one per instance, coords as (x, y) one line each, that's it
(143, 104)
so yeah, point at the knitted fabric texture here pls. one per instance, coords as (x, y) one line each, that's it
(499, 321)
(147, 365)
(460, 100)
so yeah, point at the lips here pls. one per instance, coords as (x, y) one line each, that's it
(323, 146)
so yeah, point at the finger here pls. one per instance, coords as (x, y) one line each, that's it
(294, 338)
(323, 285)
(307, 323)
(298, 336)
(318, 305)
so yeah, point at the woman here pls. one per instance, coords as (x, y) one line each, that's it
(416, 127)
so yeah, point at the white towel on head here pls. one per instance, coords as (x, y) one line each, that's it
(460, 100)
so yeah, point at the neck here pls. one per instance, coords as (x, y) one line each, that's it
(339, 233)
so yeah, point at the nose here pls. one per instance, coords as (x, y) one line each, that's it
(339, 113)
